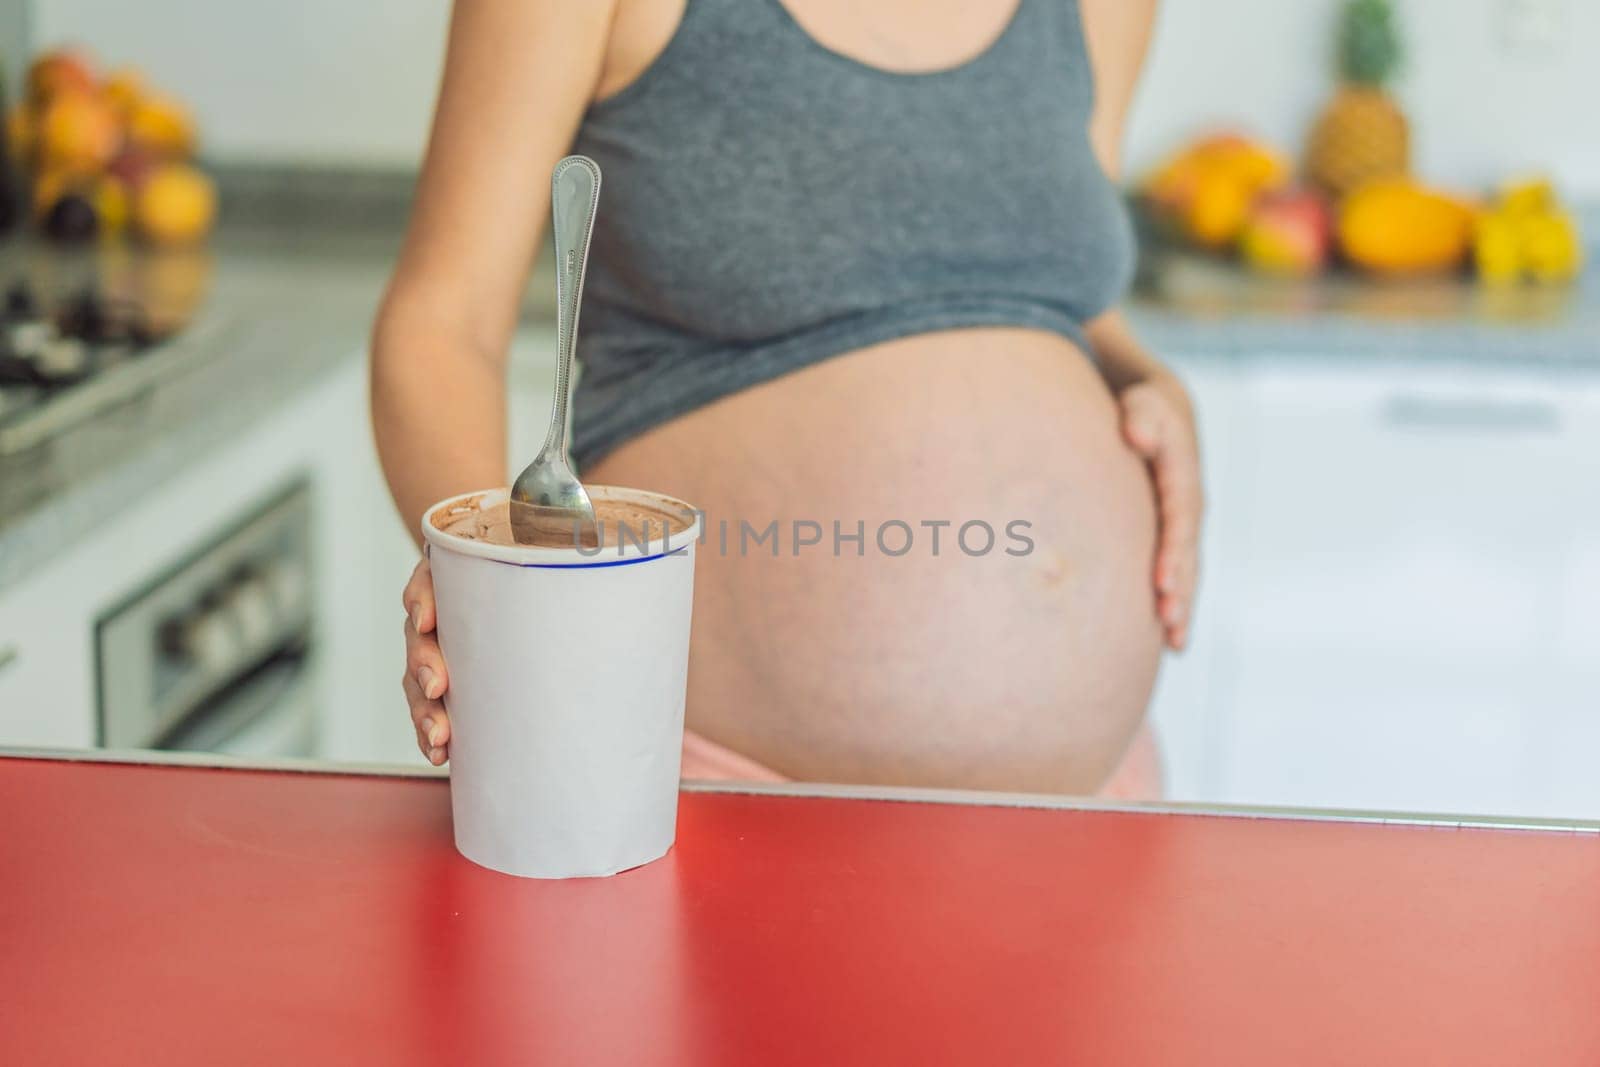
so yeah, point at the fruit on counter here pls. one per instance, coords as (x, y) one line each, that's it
(1527, 233)
(1552, 249)
(1361, 134)
(123, 88)
(1207, 189)
(100, 142)
(162, 127)
(1289, 233)
(58, 71)
(76, 132)
(175, 205)
(1531, 196)
(1215, 210)
(1396, 226)
(132, 166)
(1497, 249)
(112, 204)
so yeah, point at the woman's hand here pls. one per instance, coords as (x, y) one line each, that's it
(425, 679)
(1158, 424)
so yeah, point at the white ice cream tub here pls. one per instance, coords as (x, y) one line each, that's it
(567, 672)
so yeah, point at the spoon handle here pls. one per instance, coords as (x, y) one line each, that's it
(574, 196)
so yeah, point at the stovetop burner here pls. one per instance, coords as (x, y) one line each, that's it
(60, 366)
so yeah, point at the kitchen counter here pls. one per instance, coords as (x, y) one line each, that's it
(283, 305)
(183, 913)
(276, 311)
(1204, 307)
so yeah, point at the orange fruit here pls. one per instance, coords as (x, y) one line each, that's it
(162, 127)
(1397, 226)
(1217, 210)
(1256, 167)
(59, 71)
(123, 89)
(77, 132)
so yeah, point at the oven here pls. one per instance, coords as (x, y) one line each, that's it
(215, 654)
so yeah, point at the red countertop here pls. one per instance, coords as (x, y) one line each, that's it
(178, 915)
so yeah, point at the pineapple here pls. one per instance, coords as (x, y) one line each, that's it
(1361, 134)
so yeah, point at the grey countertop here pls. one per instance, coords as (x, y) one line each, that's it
(1204, 307)
(278, 309)
(283, 305)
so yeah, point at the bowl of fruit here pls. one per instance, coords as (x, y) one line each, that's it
(107, 155)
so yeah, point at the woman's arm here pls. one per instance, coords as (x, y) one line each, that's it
(1157, 417)
(518, 76)
(1118, 34)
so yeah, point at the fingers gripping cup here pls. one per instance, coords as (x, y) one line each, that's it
(567, 675)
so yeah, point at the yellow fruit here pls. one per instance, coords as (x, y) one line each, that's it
(1527, 234)
(111, 204)
(1497, 250)
(1551, 249)
(77, 133)
(1208, 188)
(1249, 163)
(1255, 167)
(1395, 226)
(1532, 197)
(1218, 209)
(123, 89)
(161, 126)
(175, 205)
(1360, 136)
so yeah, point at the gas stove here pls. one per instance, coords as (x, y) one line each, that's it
(64, 365)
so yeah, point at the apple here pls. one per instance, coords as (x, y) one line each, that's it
(1288, 233)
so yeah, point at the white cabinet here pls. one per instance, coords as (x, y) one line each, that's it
(47, 694)
(1189, 688)
(47, 622)
(1405, 615)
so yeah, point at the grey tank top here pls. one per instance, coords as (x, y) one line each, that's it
(768, 203)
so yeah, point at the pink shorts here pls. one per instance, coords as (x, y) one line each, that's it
(1137, 777)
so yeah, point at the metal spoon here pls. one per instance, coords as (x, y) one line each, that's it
(548, 503)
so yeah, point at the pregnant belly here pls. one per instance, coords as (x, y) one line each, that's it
(943, 665)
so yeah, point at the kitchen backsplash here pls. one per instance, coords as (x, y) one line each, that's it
(1492, 86)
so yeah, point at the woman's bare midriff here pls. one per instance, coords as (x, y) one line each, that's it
(992, 671)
